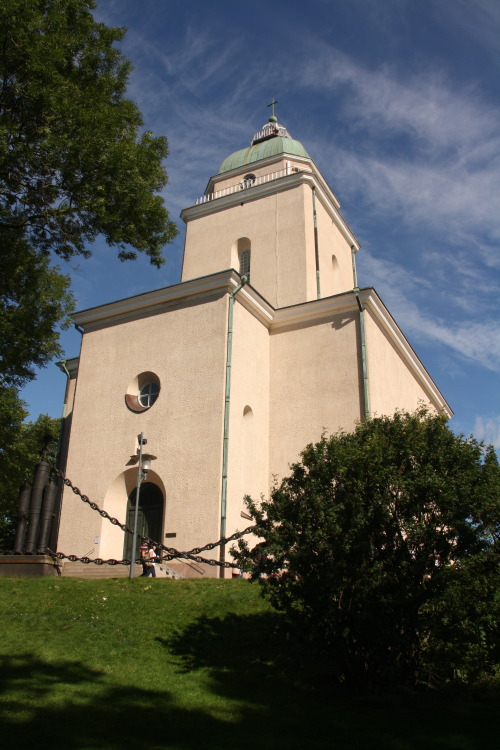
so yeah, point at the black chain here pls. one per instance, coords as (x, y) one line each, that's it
(172, 553)
(86, 560)
(112, 561)
(223, 540)
(85, 499)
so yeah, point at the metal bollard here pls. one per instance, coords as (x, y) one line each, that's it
(46, 516)
(22, 518)
(39, 483)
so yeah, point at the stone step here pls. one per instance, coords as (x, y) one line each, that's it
(89, 570)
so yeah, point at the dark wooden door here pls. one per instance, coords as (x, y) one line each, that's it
(149, 516)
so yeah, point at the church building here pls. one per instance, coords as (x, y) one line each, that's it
(265, 344)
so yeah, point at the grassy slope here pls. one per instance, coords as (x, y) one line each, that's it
(118, 664)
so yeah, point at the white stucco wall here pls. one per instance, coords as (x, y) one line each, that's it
(282, 270)
(248, 460)
(315, 385)
(391, 384)
(336, 276)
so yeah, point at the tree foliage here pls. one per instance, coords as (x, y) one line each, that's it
(383, 546)
(34, 301)
(73, 162)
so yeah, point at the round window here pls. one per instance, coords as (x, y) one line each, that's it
(148, 394)
(143, 391)
(248, 180)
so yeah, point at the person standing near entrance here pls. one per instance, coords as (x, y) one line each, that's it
(150, 562)
(144, 558)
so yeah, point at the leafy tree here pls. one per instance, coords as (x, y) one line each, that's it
(73, 164)
(34, 300)
(382, 545)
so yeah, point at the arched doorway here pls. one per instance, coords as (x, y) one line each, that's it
(149, 516)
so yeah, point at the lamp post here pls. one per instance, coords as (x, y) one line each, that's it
(142, 473)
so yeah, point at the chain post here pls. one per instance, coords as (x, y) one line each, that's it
(136, 512)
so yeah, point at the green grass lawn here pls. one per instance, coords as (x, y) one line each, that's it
(152, 664)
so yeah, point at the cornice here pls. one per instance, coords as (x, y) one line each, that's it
(256, 305)
(235, 199)
(149, 302)
(310, 312)
(312, 177)
(267, 162)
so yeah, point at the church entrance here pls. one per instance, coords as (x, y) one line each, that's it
(149, 516)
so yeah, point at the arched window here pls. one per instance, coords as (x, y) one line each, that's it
(245, 259)
(241, 254)
(335, 275)
(247, 458)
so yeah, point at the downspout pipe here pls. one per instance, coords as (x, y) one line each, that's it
(62, 366)
(62, 455)
(54, 529)
(64, 369)
(362, 335)
(366, 392)
(316, 245)
(227, 407)
(354, 273)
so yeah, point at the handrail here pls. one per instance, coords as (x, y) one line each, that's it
(249, 183)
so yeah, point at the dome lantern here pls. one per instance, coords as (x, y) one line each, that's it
(271, 140)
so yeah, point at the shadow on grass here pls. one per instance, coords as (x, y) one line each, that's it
(290, 701)
(95, 715)
(270, 702)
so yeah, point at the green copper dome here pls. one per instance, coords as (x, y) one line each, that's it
(272, 140)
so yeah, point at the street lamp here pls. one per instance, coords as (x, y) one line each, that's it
(142, 473)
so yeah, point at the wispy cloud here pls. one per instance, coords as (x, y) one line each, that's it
(447, 173)
(448, 198)
(488, 429)
(474, 340)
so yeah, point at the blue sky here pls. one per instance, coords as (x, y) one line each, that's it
(397, 102)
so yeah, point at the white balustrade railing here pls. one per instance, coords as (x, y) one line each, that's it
(245, 184)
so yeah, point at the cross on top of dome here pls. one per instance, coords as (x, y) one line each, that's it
(271, 129)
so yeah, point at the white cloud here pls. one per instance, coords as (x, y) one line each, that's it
(423, 105)
(475, 340)
(448, 172)
(430, 191)
(488, 430)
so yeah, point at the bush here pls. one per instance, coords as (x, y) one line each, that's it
(382, 546)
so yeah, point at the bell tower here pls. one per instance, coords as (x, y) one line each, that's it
(270, 214)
